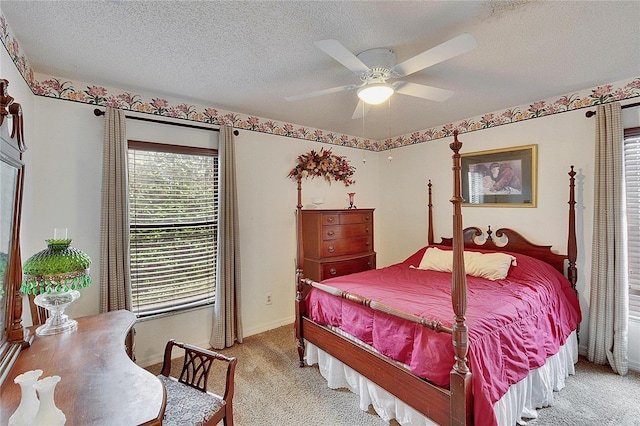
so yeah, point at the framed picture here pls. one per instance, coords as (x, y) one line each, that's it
(500, 177)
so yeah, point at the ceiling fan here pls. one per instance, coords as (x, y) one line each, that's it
(376, 66)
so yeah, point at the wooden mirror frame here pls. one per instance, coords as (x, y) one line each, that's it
(14, 336)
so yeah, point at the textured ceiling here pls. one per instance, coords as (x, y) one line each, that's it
(247, 56)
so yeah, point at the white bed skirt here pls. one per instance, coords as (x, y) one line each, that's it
(516, 406)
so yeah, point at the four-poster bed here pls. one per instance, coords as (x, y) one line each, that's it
(374, 323)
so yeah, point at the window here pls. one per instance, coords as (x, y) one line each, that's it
(173, 210)
(632, 184)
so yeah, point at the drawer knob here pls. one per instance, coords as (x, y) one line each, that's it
(368, 243)
(366, 218)
(367, 230)
(331, 219)
(333, 271)
(331, 249)
(331, 233)
(369, 264)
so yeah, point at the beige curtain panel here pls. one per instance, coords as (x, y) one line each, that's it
(227, 324)
(609, 307)
(115, 275)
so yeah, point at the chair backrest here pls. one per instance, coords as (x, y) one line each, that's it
(196, 366)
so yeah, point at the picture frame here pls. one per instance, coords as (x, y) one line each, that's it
(505, 177)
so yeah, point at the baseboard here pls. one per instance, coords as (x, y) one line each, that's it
(631, 364)
(268, 326)
(583, 350)
(157, 358)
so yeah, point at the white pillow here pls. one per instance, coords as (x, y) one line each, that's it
(492, 266)
(435, 259)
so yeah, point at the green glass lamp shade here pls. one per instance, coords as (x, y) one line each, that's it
(58, 268)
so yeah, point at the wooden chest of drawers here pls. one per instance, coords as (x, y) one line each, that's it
(337, 242)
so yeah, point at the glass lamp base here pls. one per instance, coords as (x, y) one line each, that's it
(56, 303)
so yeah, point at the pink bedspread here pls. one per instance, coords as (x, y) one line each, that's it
(514, 324)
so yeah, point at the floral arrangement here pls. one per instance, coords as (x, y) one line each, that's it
(323, 164)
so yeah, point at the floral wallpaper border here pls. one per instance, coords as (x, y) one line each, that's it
(613, 92)
(59, 88)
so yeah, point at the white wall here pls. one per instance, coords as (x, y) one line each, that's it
(267, 204)
(63, 178)
(64, 184)
(563, 140)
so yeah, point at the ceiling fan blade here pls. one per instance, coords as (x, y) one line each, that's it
(337, 51)
(362, 109)
(321, 92)
(440, 53)
(422, 91)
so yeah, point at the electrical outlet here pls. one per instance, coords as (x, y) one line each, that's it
(268, 299)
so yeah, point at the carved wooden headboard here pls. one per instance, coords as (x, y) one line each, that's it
(513, 242)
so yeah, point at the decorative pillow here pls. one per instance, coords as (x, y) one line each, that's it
(492, 266)
(435, 259)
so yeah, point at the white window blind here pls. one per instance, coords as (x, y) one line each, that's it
(173, 213)
(632, 184)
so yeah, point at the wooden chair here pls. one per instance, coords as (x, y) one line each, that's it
(188, 401)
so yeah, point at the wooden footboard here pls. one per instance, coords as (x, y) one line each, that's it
(424, 397)
(453, 406)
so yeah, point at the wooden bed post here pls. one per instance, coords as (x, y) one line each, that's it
(299, 276)
(572, 247)
(430, 218)
(461, 402)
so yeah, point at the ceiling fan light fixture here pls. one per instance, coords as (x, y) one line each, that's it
(375, 93)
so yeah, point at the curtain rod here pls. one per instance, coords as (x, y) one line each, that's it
(590, 114)
(97, 112)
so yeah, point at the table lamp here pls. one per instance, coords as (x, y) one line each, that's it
(54, 276)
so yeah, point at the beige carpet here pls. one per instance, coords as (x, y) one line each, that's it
(272, 390)
(594, 396)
